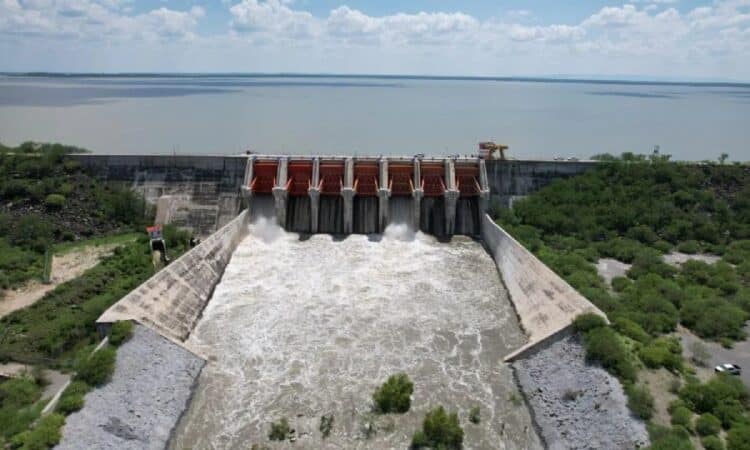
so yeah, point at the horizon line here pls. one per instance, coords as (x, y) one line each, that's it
(572, 79)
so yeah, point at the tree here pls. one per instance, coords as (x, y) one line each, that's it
(723, 157)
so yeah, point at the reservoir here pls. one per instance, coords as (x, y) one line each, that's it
(226, 114)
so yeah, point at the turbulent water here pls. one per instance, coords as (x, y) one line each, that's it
(301, 327)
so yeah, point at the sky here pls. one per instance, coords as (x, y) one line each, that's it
(658, 39)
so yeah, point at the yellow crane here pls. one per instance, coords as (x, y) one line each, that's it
(487, 150)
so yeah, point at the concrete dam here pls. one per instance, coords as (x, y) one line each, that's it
(324, 276)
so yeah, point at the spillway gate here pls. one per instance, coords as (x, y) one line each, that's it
(344, 195)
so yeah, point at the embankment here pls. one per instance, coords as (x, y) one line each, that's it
(172, 301)
(546, 305)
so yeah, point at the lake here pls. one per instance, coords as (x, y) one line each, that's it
(225, 114)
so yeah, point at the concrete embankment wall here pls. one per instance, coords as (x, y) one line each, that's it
(172, 301)
(546, 305)
(512, 179)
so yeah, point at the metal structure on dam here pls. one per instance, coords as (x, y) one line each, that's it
(344, 195)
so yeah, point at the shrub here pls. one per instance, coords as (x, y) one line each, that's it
(19, 392)
(730, 412)
(121, 331)
(72, 398)
(439, 430)
(44, 435)
(474, 415)
(97, 369)
(326, 425)
(662, 353)
(689, 247)
(394, 395)
(279, 430)
(676, 438)
(603, 345)
(682, 416)
(585, 322)
(54, 201)
(707, 397)
(739, 438)
(640, 401)
(707, 424)
(628, 328)
(619, 284)
(712, 443)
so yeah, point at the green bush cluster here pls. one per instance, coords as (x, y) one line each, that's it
(279, 430)
(640, 401)
(675, 438)
(662, 352)
(17, 409)
(394, 396)
(44, 435)
(440, 430)
(634, 211)
(605, 346)
(97, 369)
(712, 443)
(72, 398)
(37, 183)
(707, 424)
(121, 331)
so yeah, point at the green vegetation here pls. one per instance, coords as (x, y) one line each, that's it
(394, 396)
(707, 424)
(121, 331)
(51, 330)
(71, 399)
(17, 405)
(712, 443)
(475, 415)
(634, 209)
(279, 430)
(45, 434)
(97, 369)
(45, 198)
(326, 425)
(440, 430)
(634, 212)
(640, 401)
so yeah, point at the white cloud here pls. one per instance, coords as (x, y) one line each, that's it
(95, 19)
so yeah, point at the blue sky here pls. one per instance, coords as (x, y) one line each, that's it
(673, 39)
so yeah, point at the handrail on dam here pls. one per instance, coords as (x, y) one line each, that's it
(457, 189)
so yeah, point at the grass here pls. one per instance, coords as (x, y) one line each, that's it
(63, 248)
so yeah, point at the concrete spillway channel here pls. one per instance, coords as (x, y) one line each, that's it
(301, 325)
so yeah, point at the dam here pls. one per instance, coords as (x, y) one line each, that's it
(332, 274)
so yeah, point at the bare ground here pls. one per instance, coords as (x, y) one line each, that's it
(65, 267)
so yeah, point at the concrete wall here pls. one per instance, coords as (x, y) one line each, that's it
(509, 180)
(172, 301)
(201, 193)
(546, 305)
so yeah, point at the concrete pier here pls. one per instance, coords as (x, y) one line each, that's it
(347, 192)
(384, 193)
(314, 192)
(280, 191)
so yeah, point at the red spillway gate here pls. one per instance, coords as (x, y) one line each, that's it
(467, 179)
(366, 178)
(401, 182)
(300, 177)
(331, 177)
(433, 179)
(264, 176)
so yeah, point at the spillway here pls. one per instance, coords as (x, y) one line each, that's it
(301, 327)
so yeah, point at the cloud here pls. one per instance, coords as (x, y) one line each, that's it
(94, 20)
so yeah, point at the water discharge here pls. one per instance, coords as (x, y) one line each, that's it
(301, 327)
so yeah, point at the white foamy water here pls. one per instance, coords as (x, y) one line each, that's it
(299, 328)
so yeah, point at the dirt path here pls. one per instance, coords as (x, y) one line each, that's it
(65, 267)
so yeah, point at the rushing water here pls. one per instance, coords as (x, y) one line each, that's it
(228, 114)
(301, 327)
